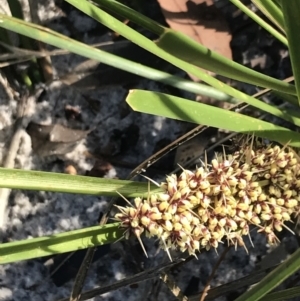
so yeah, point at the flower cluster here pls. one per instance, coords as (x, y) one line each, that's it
(199, 209)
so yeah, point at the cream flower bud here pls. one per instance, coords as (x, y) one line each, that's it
(177, 226)
(153, 199)
(242, 184)
(243, 206)
(145, 208)
(277, 216)
(273, 170)
(145, 221)
(163, 206)
(194, 200)
(168, 225)
(291, 203)
(216, 189)
(200, 173)
(204, 185)
(215, 164)
(266, 216)
(176, 196)
(155, 230)
(181, 185)
(288, 193)
(285, 216)
(257, 208)
(240, 214)
(278, 226)
(163, 197)
(255, 220)
(231, 224)
(262, 197)
(249, 213)
(134, 223)
(280, 202)
(137, 202)
(184, 221)
(293, 162)
(155, 216)
(193, 184)
(277, 210)
(265, 208)
(232, 181)
(132, 212)
(167, 216)
(195, 246)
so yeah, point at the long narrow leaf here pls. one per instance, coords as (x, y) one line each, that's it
(283, 295)
(142, 41)
(273, 279)
(59, 243)
(53, 38)
(271, 11)
(56, 39)
(190, 51)
(255, 17)
(292, 99)
(291, 11)
(48, 181)
(186, 50)
(181, 109)
(126, 12)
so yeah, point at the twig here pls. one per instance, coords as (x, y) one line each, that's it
(9, 161)
(207, 286)
(88, 259)
(170, 283)
(235, 285)
(44, 62)
(154, 272)
(26, 54)
(145, 275)
(8, 90)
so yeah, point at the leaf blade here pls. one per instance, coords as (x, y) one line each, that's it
(59, 243)
(181, 109)
(56, 182)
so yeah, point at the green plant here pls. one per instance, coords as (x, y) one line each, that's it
(188, 56)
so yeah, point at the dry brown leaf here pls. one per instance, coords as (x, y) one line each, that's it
(201, 20)
(100, 168)
(54, 139)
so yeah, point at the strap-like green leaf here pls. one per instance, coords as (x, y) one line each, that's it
(255, 17)
(181, 109)
(272, 11)
(186, 50)
(273, 279)
(291, 11)
(54, 38)
(59, 243)
(49, 181)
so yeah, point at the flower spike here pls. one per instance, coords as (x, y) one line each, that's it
(258, 185)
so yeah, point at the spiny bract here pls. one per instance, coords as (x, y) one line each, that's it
(200, 208)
